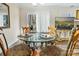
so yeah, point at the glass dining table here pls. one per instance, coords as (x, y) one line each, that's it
(37, 39)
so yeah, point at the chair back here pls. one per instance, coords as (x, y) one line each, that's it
(52, 29)
(72, 42)
(3, 42)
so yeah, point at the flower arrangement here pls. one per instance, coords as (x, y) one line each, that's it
(26, 29)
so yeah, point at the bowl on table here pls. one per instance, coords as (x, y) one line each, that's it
(46, 36)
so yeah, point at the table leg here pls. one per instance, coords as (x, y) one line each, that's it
(34, 52)
(26, 42)
(45, 44)
(41, 44)
(34, 44)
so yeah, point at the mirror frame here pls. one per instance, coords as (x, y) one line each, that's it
(8, 26)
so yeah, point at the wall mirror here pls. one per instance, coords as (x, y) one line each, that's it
(4, 16)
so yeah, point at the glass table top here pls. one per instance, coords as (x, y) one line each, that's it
(37, 37)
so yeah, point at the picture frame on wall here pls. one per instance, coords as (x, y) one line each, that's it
(77, 14)
(4, 16)
(64, 23)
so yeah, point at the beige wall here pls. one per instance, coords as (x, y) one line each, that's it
(61, 12)
(12, 32)
(42, 16)
(53, 11)
(23, 18)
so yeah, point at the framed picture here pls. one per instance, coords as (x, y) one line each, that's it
(77, 14)
(64, 23)
(4, 15)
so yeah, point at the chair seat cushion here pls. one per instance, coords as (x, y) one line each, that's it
(19, 50)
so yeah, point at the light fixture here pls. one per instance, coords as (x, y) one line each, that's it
(36, 4)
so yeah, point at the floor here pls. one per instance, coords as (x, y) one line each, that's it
(64, 46)
(61, 44)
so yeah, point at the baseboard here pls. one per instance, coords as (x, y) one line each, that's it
(9, 45)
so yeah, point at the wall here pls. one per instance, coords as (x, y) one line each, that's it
(61, 12)
(43, 21)
(42, 16)
(12, 32)
(47, 14)
(23, 20)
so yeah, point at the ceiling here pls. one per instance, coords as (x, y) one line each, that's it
(25, 5)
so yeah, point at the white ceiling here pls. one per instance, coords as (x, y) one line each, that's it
(25, 5)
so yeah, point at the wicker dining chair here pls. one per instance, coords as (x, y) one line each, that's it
(56, 51)
(17, 50)
(53, 32)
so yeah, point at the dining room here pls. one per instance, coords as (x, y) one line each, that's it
(49, 29)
